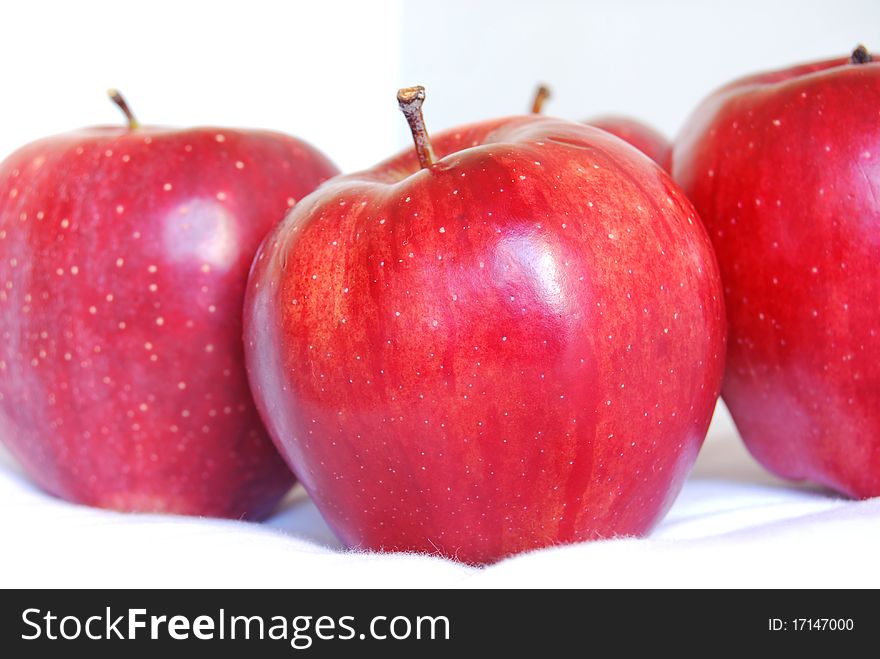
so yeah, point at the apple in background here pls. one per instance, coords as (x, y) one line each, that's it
(784, 168)
(646, 139)
(124, 253)
(640, 135)
(511, 338)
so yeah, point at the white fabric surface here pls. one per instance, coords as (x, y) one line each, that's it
(732, 526)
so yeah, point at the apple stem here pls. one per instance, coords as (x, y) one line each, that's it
(410, 100)
(860, 55)
(122, 104)
(542, 93)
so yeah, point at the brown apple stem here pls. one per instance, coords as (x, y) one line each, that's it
(410, 100)
(121, 103)
(541, 95)
(860, 55)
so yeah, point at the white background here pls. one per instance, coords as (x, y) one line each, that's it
(328, 71)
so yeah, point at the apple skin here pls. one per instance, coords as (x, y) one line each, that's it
(517, 347)
(784, 168)
(123, 260)
(646, 139)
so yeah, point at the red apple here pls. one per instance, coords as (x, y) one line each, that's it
(513, 343)
(784, 168)
(640, 135)
(124, 254)
(646, 139)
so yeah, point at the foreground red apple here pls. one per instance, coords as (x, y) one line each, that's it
(513, 343)
(784, 168)
(634, 132)
(123, 259)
